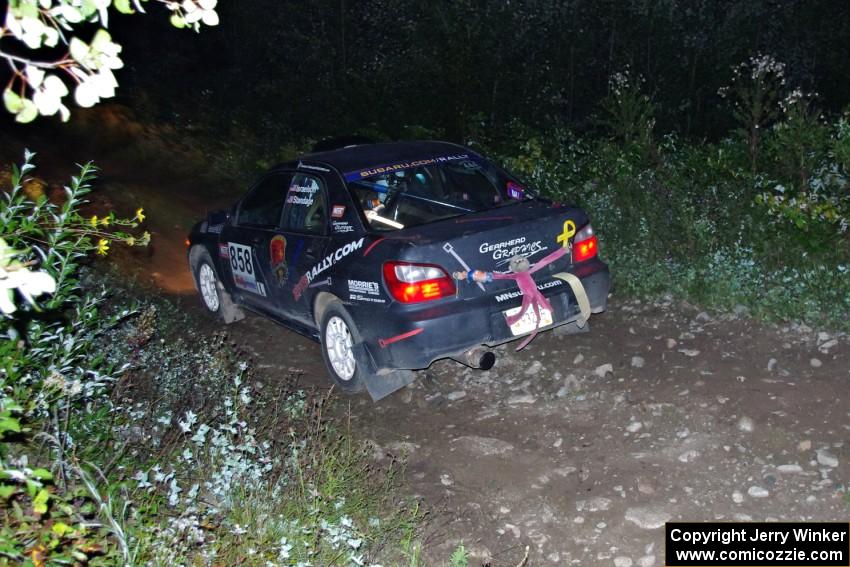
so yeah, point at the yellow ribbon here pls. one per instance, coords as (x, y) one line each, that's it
(569, 232)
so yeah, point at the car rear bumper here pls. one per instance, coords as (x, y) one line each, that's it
(414, 338)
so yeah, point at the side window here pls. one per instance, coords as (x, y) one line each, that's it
(262, 207)
(305, 209)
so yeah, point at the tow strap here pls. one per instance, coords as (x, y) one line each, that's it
(581, 297)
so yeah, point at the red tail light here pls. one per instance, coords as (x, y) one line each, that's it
(414, 283)
(585, 244)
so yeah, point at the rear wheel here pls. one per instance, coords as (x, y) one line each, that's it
(338, 338)
(214, 297)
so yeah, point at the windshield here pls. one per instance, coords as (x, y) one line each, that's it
(407, 194)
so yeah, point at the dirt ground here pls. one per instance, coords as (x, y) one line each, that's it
(580, 447)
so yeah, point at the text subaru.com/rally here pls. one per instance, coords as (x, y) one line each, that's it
(395, 255)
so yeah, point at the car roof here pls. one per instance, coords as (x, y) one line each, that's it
(353, 158)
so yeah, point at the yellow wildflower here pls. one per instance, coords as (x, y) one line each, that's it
(140, 214)
(130, 241)
(105, 221)
(93, 221)
(102, 246)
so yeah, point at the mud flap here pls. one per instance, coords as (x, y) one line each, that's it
(382, 385)
(580, 295)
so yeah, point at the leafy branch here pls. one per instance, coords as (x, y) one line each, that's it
(39, 85)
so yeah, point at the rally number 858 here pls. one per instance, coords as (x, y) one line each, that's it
(240, 259)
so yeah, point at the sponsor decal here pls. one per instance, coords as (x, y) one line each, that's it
(361, 287)
(302, 194)
(337, 211)
(515, 191)
(507, 249)
(222, 251)
(303, 284)
(449, 249)
(516, 293)
(242, 266)
(367, 299)
(296, 200)
(331, 259)
(302, 165)
(277, 256)
(341, 227)
(389, 168)
(299, 288)
(215, 228)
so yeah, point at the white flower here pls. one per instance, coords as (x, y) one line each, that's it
(200, 11)
(244, 396)
(94, 86)
(142, 478)
(191, 418)
(354, 543)
(32, 31)
(285, 548)
(48, 97)
(174, 493)
(30, 284)
(200, 435)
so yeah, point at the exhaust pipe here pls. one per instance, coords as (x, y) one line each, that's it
(478, 357)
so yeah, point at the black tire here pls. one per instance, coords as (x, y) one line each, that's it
(214, 297)
(345, 369)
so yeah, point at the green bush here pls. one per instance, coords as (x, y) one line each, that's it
(697, 222)
(122, 443)
(51, 368)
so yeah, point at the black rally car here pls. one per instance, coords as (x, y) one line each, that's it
(394, 255)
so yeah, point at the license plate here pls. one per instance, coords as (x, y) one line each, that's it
(526, 324)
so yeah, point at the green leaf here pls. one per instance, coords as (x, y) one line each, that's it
(61, 528)
(7, 490)
(9, 423)
(177, 21)
(42, 474)
(13, 102)
(123, 6)
(39, 503)
(28, 113)
(25, 10)
(88, 8)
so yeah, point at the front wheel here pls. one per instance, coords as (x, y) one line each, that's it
(338, 337)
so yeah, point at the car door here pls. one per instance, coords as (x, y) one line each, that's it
(298, 247)
(246, 241)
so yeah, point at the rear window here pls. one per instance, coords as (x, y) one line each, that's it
(402, 195)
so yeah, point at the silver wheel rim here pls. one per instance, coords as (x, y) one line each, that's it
(207, 285)
(338, 346)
